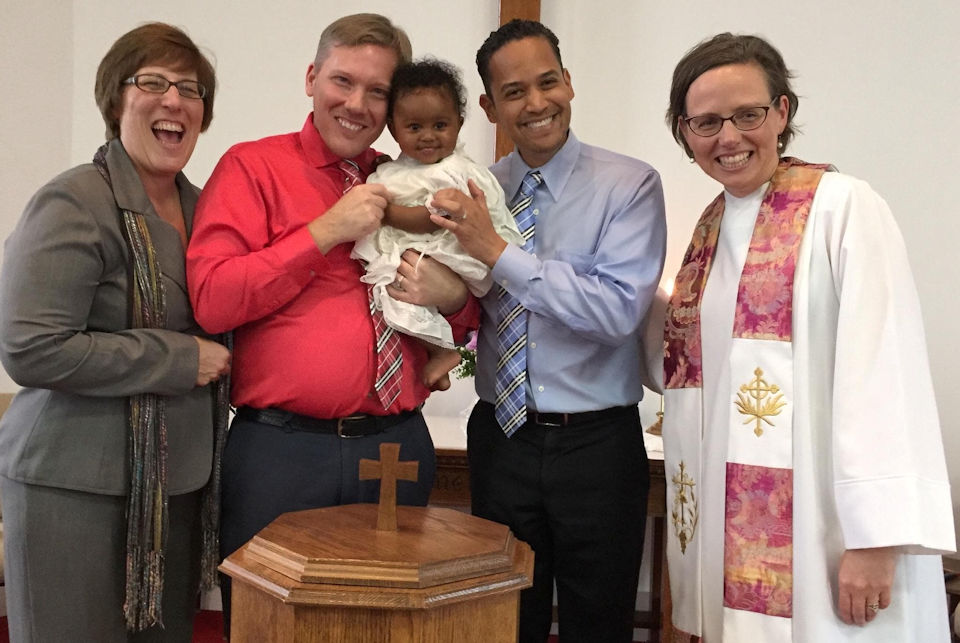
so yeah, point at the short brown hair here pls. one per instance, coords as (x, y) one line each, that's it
(363, 29)
(154, 43)
(729, 49)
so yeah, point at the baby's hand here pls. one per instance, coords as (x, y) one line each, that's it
(447, 194)
(470, 222)
(440, 212)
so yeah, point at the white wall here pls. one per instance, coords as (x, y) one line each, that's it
(37, 81)
(877, 81)
(878, 98)
(261, 53)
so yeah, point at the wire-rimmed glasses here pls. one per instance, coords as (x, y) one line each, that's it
(746, 119)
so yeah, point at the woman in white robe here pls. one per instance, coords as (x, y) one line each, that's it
(853, 428)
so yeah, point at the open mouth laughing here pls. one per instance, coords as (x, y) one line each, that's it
(168, 132)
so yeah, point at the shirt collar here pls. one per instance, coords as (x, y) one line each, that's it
(555, 172)
(128, 189)
(319, 155)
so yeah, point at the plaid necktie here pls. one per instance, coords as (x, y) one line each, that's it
(387, 349)
(511, 403)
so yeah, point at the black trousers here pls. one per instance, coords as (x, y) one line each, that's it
(578, 496)
(269, 471)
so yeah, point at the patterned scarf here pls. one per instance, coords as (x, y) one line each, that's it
(757, 554)
(148, 502)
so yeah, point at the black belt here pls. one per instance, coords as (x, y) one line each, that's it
(354, 426)
(568, 419)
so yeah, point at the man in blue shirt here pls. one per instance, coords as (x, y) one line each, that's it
(555, 444)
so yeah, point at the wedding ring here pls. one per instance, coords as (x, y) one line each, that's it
(463, 217)
(873, 607)
(399, 280)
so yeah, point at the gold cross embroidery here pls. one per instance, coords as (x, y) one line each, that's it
(685, 513)
(752, 400)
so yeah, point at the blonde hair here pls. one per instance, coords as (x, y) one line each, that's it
(363, 29)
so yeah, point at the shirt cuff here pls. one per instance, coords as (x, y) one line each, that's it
(300, 255)
(465, 319)
(908, 511)
(515, 269)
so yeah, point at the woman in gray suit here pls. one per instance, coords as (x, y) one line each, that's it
(106, 451)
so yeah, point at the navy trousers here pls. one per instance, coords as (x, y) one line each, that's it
(270, 470)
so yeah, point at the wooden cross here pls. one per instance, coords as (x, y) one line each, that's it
(389, 469)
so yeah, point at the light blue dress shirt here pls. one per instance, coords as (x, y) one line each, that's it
(598, 254)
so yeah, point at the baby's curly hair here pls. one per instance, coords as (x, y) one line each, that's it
(427, 73)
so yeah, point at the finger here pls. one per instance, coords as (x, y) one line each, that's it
(858, 610)
(405, 279)
(445, 223)
(885, 599)
(448, 194)
(476, 192)
(843, 607)
(408, 256)
(405, 272)
(379, 203)
(378, 189)
(449, 203)
(398, 294)
(410, 262)
(445, 209)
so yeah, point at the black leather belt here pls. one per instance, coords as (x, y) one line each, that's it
(354, 426)
(568, 419)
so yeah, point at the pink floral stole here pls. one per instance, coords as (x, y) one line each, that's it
(759, 499)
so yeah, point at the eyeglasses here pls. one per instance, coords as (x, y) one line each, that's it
(746, 119)
(156, 84)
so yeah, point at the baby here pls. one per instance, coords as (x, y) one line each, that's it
(425, 113)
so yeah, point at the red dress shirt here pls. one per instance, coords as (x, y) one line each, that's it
(303, 336)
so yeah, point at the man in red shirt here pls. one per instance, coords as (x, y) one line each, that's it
(269, 259)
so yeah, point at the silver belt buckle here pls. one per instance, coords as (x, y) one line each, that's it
(551, 423)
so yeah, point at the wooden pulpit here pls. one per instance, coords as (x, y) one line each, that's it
(331, 575)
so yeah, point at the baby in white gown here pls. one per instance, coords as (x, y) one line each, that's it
(426, 107)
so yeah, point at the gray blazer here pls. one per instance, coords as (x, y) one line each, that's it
(65, 337)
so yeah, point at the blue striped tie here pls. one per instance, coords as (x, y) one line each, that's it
(511, 403)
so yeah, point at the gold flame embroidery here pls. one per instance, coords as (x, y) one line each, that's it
(755, 400)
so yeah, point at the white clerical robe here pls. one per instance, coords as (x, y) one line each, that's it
(868, 461)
